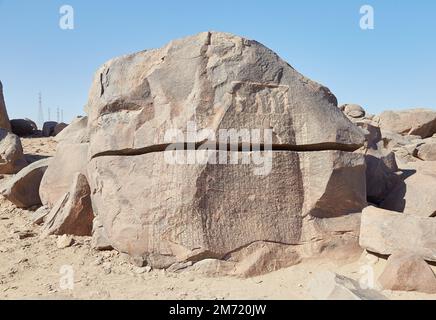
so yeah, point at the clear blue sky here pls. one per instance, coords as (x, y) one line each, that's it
(390, 67)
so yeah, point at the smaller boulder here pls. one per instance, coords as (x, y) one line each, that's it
(73, 213)
(427, 151)
(408, 272)
(354, 111)
(23, 189)
(48, 128)
(58, 128)
(11, 153)
(64, 241)
(386, 232)
(23, 127)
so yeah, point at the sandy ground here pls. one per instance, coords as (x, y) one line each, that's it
(35, 268)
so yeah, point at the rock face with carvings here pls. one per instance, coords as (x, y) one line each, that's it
(162, 208)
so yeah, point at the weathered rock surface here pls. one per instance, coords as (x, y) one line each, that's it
(76, 132)
(386, 232)
(331, 286)
(220, 208)
(73, 214)
(11, 153)
(416, 192)
(218, 80)
(4, 119)
(23, 127)
(408, 272)
(419, 122)
(23, 189)
(69, 160)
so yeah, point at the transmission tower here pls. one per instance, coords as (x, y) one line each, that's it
(40, 112)
(57, 115)
(48, 114)
(62, 115)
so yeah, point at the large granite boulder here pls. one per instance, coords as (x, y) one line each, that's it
(162, 211)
